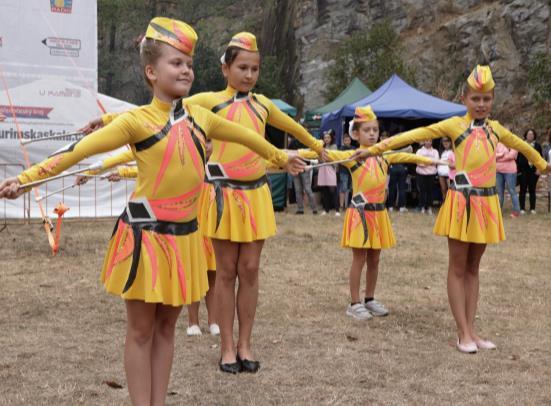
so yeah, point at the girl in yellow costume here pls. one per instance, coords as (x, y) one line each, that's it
(236, 210)
(470, 216)
(367, 227)
(155, 260)
(130, 172)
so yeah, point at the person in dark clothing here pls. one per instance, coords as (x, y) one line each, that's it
(344, 179)
(527, 174)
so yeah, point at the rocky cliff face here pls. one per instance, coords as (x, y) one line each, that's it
(443, 39)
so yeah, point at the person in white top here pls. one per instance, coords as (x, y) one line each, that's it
(446, 173)
(425, 176)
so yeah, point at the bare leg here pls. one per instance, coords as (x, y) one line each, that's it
(372, 272)
(210, 298)
(247, 294)
(443, 186)
(226, 253)
(359, 256)
(162, 351)
(458, 254)
(140, 327)
(193, 314)
(472, 285)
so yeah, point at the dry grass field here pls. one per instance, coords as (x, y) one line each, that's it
(62, 337)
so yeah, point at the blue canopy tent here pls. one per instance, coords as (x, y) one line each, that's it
(394, 99)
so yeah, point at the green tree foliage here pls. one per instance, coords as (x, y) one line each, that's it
(539, 77)
(208, 74)
(373, 56)
(270, 82)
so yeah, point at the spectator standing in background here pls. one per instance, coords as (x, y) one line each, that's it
(327, 179)
(528, 178)
(425, 176)
(303, 184)
(446, 173)
(344, 180)
(506, 175)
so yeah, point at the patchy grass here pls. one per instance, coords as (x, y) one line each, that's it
(62, 336)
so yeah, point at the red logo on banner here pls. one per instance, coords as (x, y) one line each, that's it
(61, 6)
(26, 111)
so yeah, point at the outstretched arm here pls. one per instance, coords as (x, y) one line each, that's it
(224, 130)
(420, 134)
(331, 155)
(405, 158)
(515, 142)
(109, 138)
(282, 121)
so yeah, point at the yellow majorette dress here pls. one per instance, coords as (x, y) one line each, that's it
(155, 253)
(236, 203)
(366, 223)
(132, 172)
(471, 211)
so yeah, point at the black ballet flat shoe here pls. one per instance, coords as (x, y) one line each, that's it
(233, 368)
(248, 365)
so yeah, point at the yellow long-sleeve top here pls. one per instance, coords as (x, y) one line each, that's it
(131, 172)
(369, 176)
(252, 111)
(474, 150)
(169, 155)
(112, 161)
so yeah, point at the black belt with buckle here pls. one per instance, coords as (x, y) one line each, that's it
(467, 192)
(361, 211)
(160, 227)
(232, 184)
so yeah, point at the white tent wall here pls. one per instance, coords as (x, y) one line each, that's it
(48, 77)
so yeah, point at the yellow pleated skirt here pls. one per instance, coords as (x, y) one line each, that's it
(172, 269)
(379, 230)
(484, 224)
(248, 215)
(209, 254)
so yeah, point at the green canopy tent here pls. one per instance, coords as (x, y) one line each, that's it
(356, 90)
(278, 181)
(286, 108)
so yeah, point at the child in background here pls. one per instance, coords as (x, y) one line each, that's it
(425, 176)
(446, 173)
(367, 229)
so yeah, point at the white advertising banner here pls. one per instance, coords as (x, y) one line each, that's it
(48, 85)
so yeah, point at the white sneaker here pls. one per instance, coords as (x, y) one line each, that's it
(522, 212)
(423, 210)
(429, 211)
(403, 210)
(532, 212)
(323, 213)
(338, 214)
(391, 209)
(358, 311)
(376, 308)
(214, 329)
(194, 330)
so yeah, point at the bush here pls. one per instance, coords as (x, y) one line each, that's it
(372, 56)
